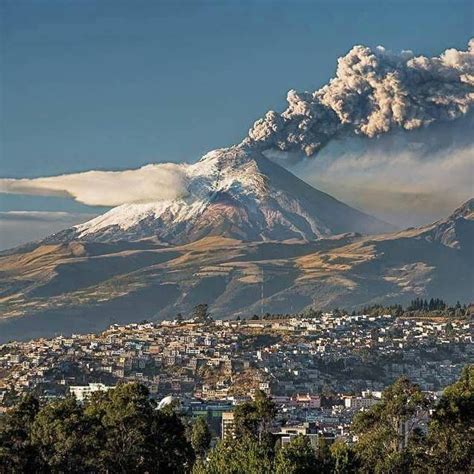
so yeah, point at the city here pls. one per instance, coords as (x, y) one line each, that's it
(317, 370)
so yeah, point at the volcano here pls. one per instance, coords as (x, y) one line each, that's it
(235, 193)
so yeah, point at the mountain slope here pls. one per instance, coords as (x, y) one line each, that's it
(234, 193)
(84, 286)
(433, 260)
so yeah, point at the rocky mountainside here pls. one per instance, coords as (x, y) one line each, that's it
(84, 285)
(235, 193)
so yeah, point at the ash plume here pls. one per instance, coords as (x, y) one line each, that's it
(374, 92)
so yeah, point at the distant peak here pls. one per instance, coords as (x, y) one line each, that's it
(466, 210)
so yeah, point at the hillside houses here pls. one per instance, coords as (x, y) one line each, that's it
(217, 361)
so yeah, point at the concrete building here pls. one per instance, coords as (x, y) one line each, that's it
(228, 426)
(356, 403)
(81, 392)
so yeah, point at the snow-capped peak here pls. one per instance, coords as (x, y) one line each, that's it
(219, 171)
(237, 193)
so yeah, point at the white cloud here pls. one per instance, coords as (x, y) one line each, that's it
(153, 182)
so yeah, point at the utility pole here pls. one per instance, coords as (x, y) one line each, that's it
(261, 293)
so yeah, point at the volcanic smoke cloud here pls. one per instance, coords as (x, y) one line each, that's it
(374, 92)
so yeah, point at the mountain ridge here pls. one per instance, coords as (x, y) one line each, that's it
(82, 286)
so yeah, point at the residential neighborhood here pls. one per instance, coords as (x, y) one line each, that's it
(319, 372)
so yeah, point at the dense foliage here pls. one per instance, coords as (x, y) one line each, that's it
(390, 439)
(452, 427)
(419, 307)
(121, 431)
(388, 432)
(118, 431)
(434, 304)
(201, 437)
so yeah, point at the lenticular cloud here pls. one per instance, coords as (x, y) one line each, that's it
(153, 182)
(374, 92)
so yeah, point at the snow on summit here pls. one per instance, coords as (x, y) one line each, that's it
(233, 192)
(219, 171)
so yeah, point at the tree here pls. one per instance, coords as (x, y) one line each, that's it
(17, 453)
(201, 313)
(323, 456)
(389, 429)
(245, 420)
(297, 457)
(137, 437)
(65, 438)
(448, 329)
(124, 414)
(265, 410)
(168, 449)
(343, 458)
(451, 430)
(253, 419)
(236, 456)
(118, 431)
(200, 437)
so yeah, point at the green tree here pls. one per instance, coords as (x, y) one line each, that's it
(343, 458)
(448, 329)
(65, 438)
(252, 449)
(297, 457)
(168, 449)
(236, 456)
(254, 418)
(17, 453)
(124, 415)
(119, 431)
(388, 430)
(451, 430)
(245, 420)
(139, 438)
(323, 455)
(201, 313)
(200, 437)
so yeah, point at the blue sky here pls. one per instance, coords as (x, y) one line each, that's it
(117, 84)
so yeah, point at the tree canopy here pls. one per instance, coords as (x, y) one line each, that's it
(200, 437)
(387, 430)
(297, 457)
(121, 431)
(451, 429)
